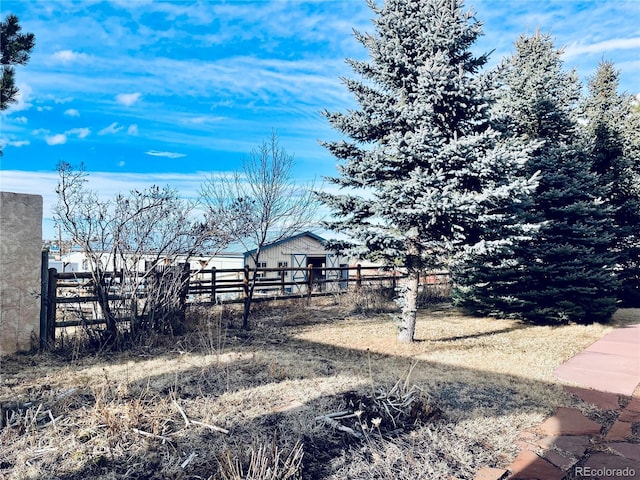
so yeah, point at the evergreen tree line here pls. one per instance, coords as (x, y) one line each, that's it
(524, 188)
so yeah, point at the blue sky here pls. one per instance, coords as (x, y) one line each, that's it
(149, 92)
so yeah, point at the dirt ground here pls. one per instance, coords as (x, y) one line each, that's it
(313, 392)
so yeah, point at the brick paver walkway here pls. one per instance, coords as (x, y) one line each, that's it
(612, 364)
(570, 446)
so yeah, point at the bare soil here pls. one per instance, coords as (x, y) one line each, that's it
(313, 392)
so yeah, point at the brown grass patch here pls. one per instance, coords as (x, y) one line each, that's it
(149, 413)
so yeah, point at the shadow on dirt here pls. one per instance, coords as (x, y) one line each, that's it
(433, 440)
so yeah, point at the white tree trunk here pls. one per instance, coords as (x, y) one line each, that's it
(409, 309)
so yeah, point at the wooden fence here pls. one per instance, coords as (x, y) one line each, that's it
(71, 293)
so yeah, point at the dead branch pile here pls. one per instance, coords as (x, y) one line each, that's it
(383, 412)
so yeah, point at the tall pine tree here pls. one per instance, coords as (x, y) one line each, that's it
(609, 134)
(422, 168)
(565, 271)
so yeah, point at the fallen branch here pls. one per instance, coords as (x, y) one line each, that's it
(212, 427)
(184, 415)
(188, 421)
(188, 460)
(151, 435)
(338, 426)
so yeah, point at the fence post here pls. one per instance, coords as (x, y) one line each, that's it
(282, 270)
(44, 296)
(52, 290)
(213, 284)
(358, 276)
(246, 281)
(309, 279)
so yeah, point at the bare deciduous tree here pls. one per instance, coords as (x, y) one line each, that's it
(274, 206)
(145, 237)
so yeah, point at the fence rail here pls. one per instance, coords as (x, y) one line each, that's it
(62, 291)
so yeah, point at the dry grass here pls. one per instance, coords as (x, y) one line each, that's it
(223, 403)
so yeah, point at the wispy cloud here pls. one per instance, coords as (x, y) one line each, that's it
(69, 56)
(72, 112)
(21, 120)
(212, 78)
(577, 48)
(79, 132)
(156, 153)
(111, 129)
(61, 101)
(127, 99)
(106, 184)
(19, 143)
(202, 119)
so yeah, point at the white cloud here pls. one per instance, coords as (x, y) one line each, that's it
(127, 99)
(57, 139)
(19, 143)
(61, 138)
(111, 129)
(69, 56)
(200, 120)
(79, 132)
(72, 112)
(576, 49)
(133, 129)
(61, 101)
(105, 184)
(121, 163)
(156, 153)
(22, 120)
(22, 98)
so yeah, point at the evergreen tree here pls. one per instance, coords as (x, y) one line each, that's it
(421, 166)
(16, 48)
(612, 141)
(565, 271)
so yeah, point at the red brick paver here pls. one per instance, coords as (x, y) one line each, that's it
(569, 421)
(568, 443)
(529, 466)
(634, 404)
(612, 364)
(487, 473)
(629, 416)
(627, 450)
(602, 400)
(612, 463)
(619, 431)
(563, 462)
(573, 444)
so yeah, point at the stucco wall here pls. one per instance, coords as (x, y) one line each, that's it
(20, 258)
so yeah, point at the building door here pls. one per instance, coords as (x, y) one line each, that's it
(332, 276)
(317, 272)
(299, 261)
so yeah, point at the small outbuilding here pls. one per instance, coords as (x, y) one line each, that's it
(297, 252)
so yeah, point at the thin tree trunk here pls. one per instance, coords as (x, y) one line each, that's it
(247, 303)
(102, 292)
(252, 286)
(409, 309)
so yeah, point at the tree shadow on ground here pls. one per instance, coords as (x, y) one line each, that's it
(468, 399)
